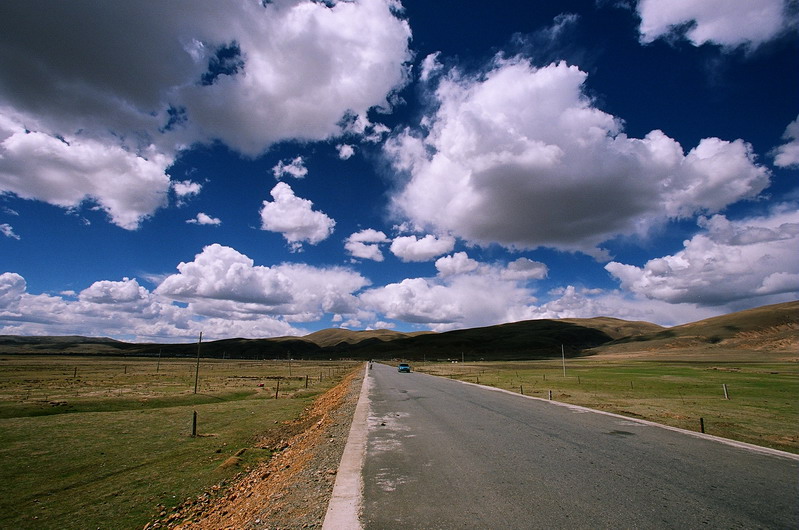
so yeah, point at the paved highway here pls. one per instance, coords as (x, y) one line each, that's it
(444, 454)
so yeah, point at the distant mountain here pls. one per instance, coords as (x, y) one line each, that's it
(768, 328)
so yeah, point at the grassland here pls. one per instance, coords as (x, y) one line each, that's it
(106, 442)
(763, 404)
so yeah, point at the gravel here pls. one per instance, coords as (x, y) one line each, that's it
(292, 489)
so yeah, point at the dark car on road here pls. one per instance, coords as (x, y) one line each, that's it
(404, 367)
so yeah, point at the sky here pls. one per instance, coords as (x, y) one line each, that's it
(260, 169)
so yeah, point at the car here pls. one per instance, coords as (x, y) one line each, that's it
(404, 367)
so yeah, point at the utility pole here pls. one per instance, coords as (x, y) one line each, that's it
(197, 369)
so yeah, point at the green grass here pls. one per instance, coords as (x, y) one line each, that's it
(763, 404)
(107, 448)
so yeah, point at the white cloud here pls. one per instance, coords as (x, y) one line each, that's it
(571, 302)
(224, 294)
(734, 263)
(366, 244)
(430, 67)
(186, 188)
(295, 218)
(729, 23)
(204, 219)
(521, 157)
(525, 269)
(71, 170)
(458, 263)
(8, 231)
(122, 309)
(221, 281)
(345, 151)
(787, 155)
(411, 248)
(306, 66)
(466, 293)
(293, 168)
(248, 75)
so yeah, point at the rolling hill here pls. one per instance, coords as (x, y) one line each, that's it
(771, 329)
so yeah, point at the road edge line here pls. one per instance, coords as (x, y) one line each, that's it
(344, 509)
(734, 443)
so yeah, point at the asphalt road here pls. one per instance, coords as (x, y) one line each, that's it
(444, 454)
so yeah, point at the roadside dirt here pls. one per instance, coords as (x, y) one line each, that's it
(293, 488)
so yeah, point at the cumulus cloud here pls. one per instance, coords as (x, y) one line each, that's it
(295, 218)
(411, 248)
(573, 302)
(186, 188)
(222, 281)
(520, 156)
(292, 168)
(366, 244)
(465, 293)
(752, 260)
(787, 155)
(525, 269)
(122, 309)
(729, 23)
(345, 151)
(204, 219)
(249, 75)
(458, 263)
(69, 170)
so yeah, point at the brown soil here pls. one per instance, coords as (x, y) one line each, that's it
(292, 489)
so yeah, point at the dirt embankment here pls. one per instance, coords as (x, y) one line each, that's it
(292, 489)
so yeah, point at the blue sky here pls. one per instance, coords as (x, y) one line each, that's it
(276, 169)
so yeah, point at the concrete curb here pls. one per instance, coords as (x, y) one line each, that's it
(345, 504)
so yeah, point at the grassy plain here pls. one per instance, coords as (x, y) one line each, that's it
(762, 409)
(89, 442)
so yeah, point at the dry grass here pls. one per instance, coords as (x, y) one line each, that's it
(763, 404)
(85, 441)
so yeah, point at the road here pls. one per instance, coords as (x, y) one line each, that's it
(444, 454)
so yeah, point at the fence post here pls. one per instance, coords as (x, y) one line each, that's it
(726, 395)
(194, 424)
(550, 395)
(277, 389)
(702, 425)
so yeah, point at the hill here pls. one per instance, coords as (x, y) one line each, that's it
(768, 329)
(765, 330)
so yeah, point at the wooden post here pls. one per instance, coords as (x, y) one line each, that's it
(76, 372)
(702, 425)
(277, 389)
(521, 389)
(306, 380)
(194, 424)
(726, 395)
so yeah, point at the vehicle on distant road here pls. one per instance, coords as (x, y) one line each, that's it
(404, 367)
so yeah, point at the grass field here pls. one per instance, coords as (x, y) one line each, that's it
(106, 442)
(763, 404)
